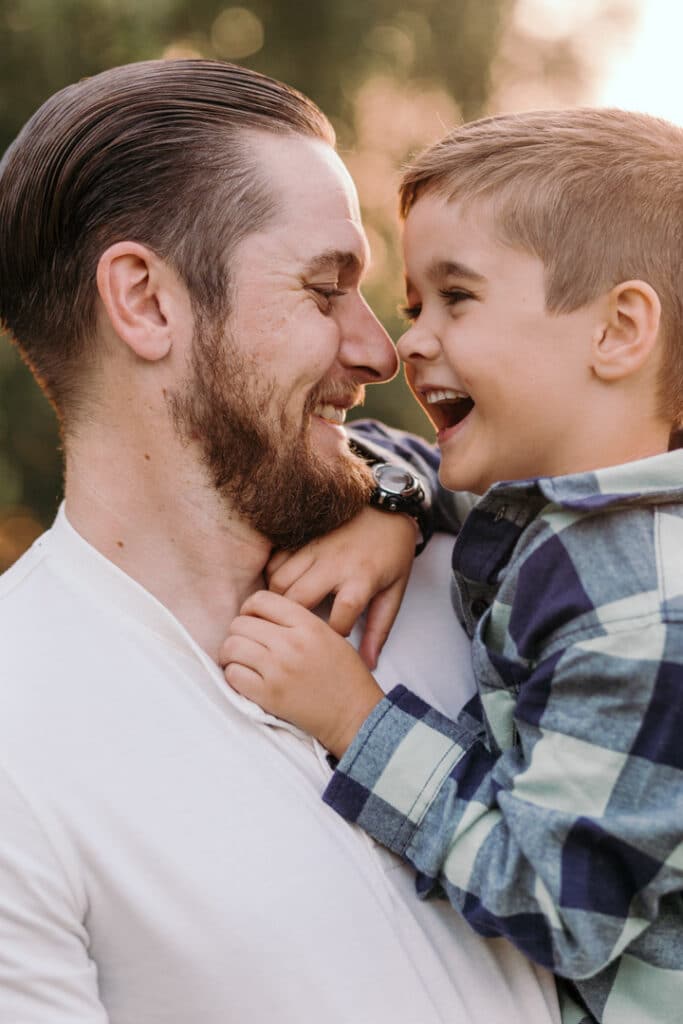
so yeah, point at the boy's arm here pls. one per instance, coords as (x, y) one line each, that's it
(569, 842)
(365, 563)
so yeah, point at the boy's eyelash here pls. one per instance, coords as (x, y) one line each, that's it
(410, 313)
(451, 295)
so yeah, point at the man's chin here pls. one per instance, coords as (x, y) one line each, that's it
(320, 485)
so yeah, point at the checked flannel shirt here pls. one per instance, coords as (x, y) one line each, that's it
(551, 810)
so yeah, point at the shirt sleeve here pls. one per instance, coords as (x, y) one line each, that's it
(46, 974)
(570, 842)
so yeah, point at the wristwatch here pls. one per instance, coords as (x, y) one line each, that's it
(398, 490)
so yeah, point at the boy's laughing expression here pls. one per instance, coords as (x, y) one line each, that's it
(507, 384)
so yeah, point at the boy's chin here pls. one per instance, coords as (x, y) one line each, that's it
(460, 477)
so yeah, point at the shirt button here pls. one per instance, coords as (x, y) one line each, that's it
(478, 607)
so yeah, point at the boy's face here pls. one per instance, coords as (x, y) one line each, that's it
(507, 384)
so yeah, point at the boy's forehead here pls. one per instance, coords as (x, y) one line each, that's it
(447, 238)
(459, 242)
(439, 269)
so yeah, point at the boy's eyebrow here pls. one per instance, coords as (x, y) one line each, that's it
(334, 259)
(452, 268)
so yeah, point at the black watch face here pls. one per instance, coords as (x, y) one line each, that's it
(393, 479)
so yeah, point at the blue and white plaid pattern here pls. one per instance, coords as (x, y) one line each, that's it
(551, 810)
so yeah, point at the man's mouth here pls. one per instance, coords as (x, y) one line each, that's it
(331, 401)
(335, 414)
(446, 407)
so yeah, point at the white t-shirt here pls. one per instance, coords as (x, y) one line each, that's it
(165, 857)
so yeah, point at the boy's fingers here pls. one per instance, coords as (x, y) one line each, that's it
(273, 608)
(349, 603)
(310, 589)
(277, 559)
(286, 567)
(382, 613)
(257, 630)
(240, 650)
(244, 680)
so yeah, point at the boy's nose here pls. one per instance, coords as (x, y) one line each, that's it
(417, 344)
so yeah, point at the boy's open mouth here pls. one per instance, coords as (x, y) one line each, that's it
(447, 407)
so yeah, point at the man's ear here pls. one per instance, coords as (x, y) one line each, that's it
(136, 288)
(627, 339)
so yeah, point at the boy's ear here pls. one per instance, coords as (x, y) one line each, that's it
(136, 289)
(625, 342)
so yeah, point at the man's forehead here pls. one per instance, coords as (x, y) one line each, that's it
(299, 167)
(316, 208)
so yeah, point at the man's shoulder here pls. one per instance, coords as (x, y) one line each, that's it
(22, 583)
(39, 612)
(24, 564)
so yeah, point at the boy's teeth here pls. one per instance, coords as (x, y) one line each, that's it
(332, 413)
(445, 395)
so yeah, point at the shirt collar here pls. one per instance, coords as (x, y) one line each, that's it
(76, 559)
(651, 481)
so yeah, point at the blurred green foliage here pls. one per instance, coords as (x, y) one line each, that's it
(391, 75)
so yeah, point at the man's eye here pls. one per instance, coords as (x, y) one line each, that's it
(324, 294)
(410, 313)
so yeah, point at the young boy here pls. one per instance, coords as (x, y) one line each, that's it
(544, 266)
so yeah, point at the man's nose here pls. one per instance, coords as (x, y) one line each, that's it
(366, 348)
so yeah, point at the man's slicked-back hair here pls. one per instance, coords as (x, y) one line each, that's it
(596, 194)
(158, 152)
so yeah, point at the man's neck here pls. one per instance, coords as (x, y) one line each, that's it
(178, 541)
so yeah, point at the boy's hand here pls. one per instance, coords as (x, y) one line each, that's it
(364, 563)
(291, 663)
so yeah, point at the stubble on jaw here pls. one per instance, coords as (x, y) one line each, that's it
(263, 466)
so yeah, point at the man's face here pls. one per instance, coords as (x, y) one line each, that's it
(507, 384)
(269, 392)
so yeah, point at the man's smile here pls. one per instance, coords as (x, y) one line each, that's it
(331, 402)
(335, 414)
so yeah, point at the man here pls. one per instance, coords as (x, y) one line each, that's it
(181, 254)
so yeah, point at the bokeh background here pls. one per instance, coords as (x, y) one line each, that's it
(393, 75)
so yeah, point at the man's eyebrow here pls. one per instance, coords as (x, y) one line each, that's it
(334, 259)
(452, 268)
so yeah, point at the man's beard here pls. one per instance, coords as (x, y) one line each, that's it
(264, 466)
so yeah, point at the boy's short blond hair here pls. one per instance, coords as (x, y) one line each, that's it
(596, 194)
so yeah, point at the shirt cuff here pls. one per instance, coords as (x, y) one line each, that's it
(392, 772)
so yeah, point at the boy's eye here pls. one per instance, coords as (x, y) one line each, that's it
(454, 295)
(410, 313)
